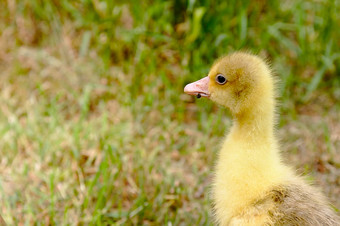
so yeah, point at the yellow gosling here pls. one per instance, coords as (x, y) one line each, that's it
(252, 186)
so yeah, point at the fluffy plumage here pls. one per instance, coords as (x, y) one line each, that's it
(252, 186)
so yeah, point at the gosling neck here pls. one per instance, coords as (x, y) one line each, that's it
(255, 122)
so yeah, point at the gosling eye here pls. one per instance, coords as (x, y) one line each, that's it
(220, 79)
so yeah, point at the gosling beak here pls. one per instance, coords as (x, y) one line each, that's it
(198, 88)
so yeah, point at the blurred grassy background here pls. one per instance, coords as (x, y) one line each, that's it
(94, 125)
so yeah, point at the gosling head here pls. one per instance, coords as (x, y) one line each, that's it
(238, 81)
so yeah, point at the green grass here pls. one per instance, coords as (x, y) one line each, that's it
(95, 128)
